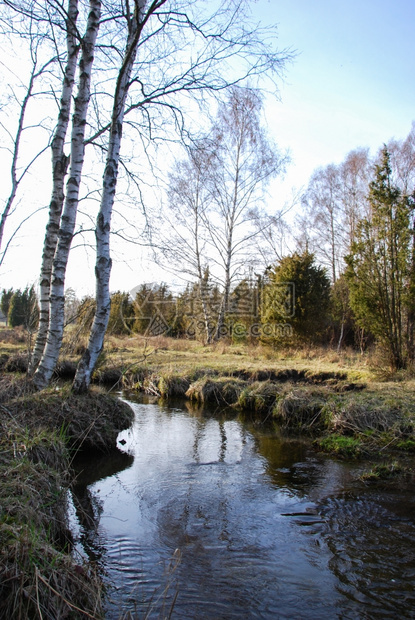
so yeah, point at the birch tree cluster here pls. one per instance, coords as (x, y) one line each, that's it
(114, 80)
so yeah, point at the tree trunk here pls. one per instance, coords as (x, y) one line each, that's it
(411, 301)
(59, 168)
(103, 228)
(339, 344)
(57, 300)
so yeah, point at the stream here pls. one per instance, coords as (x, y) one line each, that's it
(199, 516)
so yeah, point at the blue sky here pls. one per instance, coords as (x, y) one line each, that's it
(352, 83)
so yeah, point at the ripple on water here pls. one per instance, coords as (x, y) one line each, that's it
(373, 553)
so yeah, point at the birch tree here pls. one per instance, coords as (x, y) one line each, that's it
(183, 246)
(245, 161)
(17, 173)
(355, 175)
(136, 21)
(21, 95)
(60, 163)
(50, 355)
(323, 206)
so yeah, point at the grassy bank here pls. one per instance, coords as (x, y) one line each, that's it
(40, 576)
(349, 404)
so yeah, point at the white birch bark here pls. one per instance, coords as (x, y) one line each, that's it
(57, 299)
(59, 168)
(103, 226)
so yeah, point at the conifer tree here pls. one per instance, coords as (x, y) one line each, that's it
(378, 270)
(296, 296)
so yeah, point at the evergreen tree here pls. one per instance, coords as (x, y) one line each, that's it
(121, 314)
(154, 310)
(5, 302)
(296, 295)
(379, 265)
(24, 309)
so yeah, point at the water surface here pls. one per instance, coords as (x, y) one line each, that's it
(216, 519)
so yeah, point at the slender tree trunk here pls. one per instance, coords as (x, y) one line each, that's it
(339, 344)
(103, 227)
(13, 171)
(206, 317)
(203, 279)
(59, 168)
(225, 300)
(333, 245)
(57, 299)
(229, 247)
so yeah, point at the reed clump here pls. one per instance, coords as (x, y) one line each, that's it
(302, 410)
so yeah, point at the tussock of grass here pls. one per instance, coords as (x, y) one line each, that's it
(301, 410)
(347, 447)
(38, 576)
(17, 362)
(221, 391)
(89, 422)
(371, 414)
(383, 471)
(171, 386)
(16, 335)
(259, 396)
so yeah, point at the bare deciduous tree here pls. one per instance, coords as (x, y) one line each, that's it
(244, 163)
(20, 96)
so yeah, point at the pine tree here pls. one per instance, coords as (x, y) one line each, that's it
(379, 264)
(24, 309)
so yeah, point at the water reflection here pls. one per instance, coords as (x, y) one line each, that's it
(87, 504)
(263, 528)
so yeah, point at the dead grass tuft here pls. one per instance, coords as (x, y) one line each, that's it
(221, 391)
(353, 417)
(90, 421)
(301, 410)
(259, 396)
(16, 335)
(17, 362)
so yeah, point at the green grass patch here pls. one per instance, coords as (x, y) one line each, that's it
(382, 471)
(340, 445)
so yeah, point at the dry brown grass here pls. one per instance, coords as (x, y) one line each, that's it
(224, 391)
